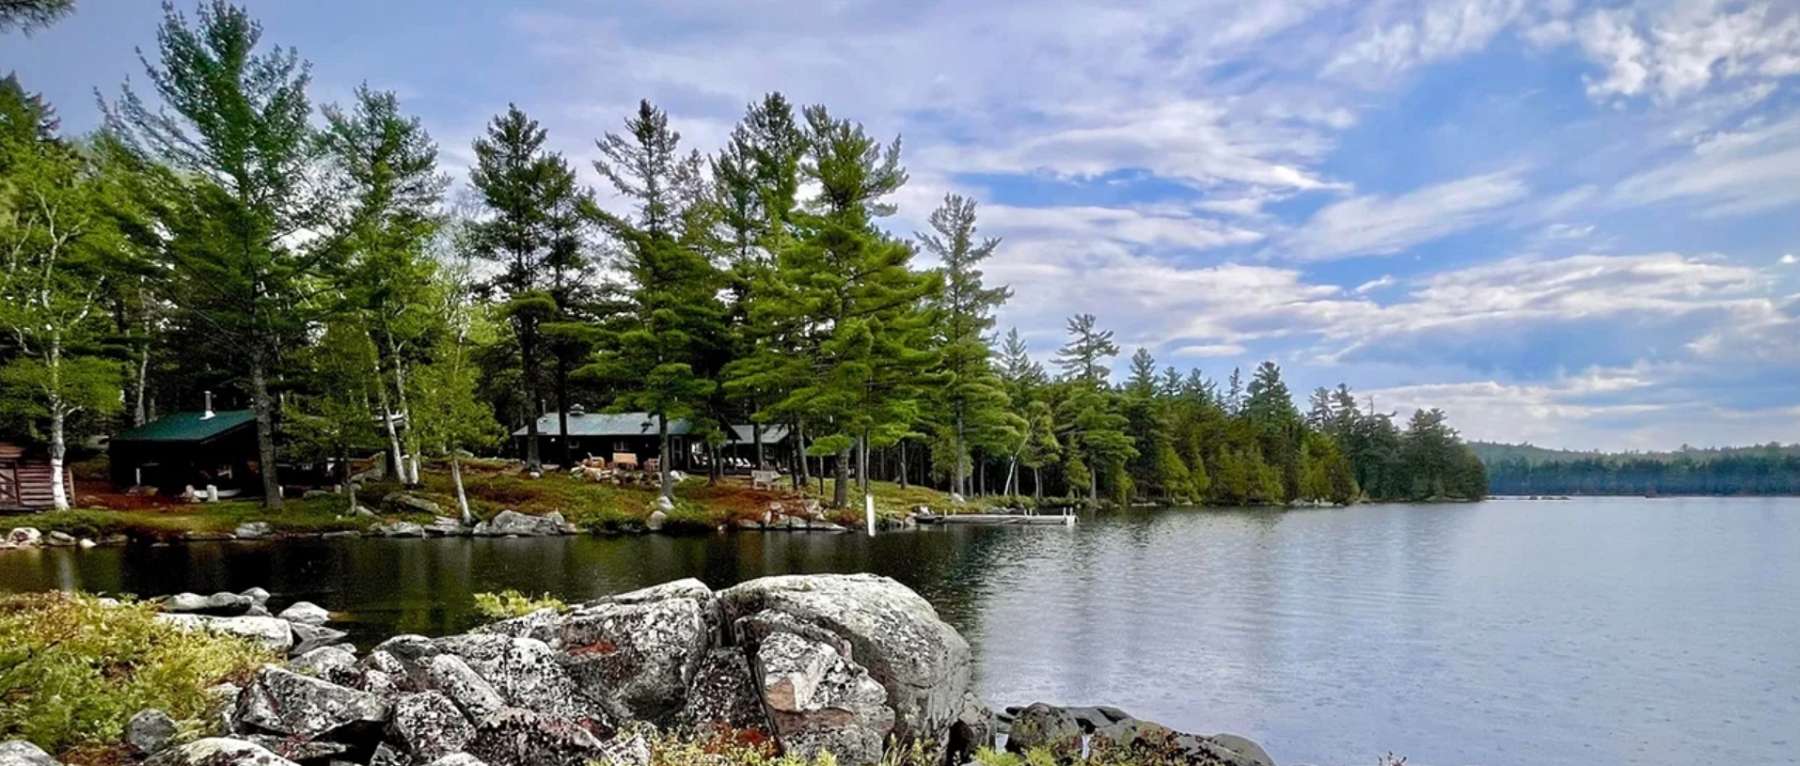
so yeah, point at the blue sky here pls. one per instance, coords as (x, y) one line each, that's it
(1569, 223)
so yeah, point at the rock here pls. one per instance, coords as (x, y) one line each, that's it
(336, 664)
(271, 632)
(663, 503)
(201, 536)
(656, 520)
(541, 625)
(406, 503)
(86, 543)
(517, 737)
(218, 751)
(923, 663)
(305, 750)
(149, 731)
(1249, 751)
(254, 530)
(305, 613)
(280, 701)
(397, 529)
(724, 692)
(429, 726)
(638, 654)
(59, 539)
(339, 534)
(444, 526)
(229, 603)
(221, 703)
(528, 674)
(310, 637)
(512, 523)
(625, 751)
(257, 595)
(957, 498)
(24, 536)
(363, 513)
(316, 494)
(1041, 725)
(18, 752)
(459, 683)
(184, 602)
(457, 759)
(974, 729)
(818, 700)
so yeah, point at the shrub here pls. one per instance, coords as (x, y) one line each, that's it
(510, 603)
(75, 668)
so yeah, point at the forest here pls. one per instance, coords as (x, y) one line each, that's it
(317, 266)
(1771, 469)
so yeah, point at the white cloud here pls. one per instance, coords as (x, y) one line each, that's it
(1384, 280)
(1674, 50)
(1733, 173)
(1397, 37)
(1204, 350)
(1376, 225)
(1789, 259)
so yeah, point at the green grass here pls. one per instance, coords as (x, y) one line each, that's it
(297, 516)
(74, 669)
(510, 603)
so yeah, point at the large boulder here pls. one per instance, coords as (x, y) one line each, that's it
(922, 662)
(724, 693)
(24, 536)
(218, 751)
(510, 523)
(516, 737)
(254, 530)
(1041, 725)
(405, 503)
(460, 683)
(528, 674)
(149, 731)
(396, 529)
(273, 633)
(639, 654)
(18, 752)
(305, 613)
(280, 701)
(336, 664)
(428, 726)
(310, 637)
(1114, 735)
(819, 700)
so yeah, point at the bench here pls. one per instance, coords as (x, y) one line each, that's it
(764, 479)
(625, 460)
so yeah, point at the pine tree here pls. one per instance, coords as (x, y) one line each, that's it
(329, 420)
(659, 358)
(1083, 356)
(972, 393)
(448, 418)
(529, 193)
(236, 123)
(1093, 431)
(29, 15)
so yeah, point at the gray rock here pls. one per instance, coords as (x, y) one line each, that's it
(386, 755)
(202, 536)
(640, 655)
(724, 692)
(304, 750)
(923, 663)
(1250, 752)
(336, 664)
(457, 759)
(656, 520)
(24, 536)
(542, 625)
(254, 530)
(273, 633)
(429, 726)
(280, 701)
(184, 602)
(818, 700)
(517, 737)
(406, 503)
(450, 675)
(149, 731)
(397, 529)
(257, 595)
(310, 637)
(18, 752)
(60, 539)
(229, 603)
(305, 613)
(218, 751)
(624, 750)
(1041, 725)
(510, 523)
(444, 526)
(974, 729)
(528, 674)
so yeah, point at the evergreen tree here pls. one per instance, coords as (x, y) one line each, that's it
(972, 392)
(329, 419)
(29, 15)
(1093, 431)
(659, 356)
(235, 121)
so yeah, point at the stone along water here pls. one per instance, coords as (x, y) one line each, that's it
(1617, 631)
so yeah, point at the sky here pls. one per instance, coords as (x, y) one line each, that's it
(1574, 224)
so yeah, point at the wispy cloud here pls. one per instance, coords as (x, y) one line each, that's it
(1377, 225)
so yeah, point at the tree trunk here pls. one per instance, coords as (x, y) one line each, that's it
(662, 465)
(1037, 484)
(1094, 486)
(1012, 467)
(862, 463)
(903, 464)
(840, 494)
(562, 410)
(409, 435)
(756, 436)
(59, 495)
(462, 499)
(264, 408)
(527, 358)
(387, 423)
(138, 413)
(956, 458)
(344, 482)
(800, 477)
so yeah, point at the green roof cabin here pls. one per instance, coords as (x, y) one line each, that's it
(187, 449)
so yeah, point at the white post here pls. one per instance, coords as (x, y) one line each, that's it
(212, 493)
(869, 511)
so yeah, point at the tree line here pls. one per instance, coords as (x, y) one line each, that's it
(219, 233)
(1770, 469)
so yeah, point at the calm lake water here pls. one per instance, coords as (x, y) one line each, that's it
(1592, 631)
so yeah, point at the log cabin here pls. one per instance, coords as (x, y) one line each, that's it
(25, 478)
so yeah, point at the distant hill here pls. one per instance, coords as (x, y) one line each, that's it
(1525, 469)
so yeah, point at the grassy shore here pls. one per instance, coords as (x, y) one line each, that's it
(491, 486)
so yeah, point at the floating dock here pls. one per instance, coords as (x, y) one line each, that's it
(997, 519)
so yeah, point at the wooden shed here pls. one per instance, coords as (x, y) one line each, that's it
(188, 449)
(25, 479)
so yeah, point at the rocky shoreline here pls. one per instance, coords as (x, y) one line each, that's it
(853, 665)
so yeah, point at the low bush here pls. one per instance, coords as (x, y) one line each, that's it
(510, 603)
(75, 668)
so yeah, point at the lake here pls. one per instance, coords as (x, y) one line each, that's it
(1580, 632)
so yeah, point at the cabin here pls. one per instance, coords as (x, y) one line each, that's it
(188, 449)
(25, 478)
(606, 435)
(777, 446)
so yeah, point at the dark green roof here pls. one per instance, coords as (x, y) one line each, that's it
(187, 427)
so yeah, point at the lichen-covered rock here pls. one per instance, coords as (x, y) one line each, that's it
(458, 682)
(429, 726)
(254, 530)
(280, 701)
(396, 529)
(149, 731)
(457, 759)
(625, 750)
(973, 730)
(640, 655)
(1041, 725)
(310, 637)
(922, 662)
(336, 664)
(819, 700)
(541, 625)
(305, 613)
(18, 752)
(510, 523)
(405, 503)
(528, 674)
(218, 751)
(1118, 736)
(724, 692)
(24, 536)
(517, 737)
(271, 632)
